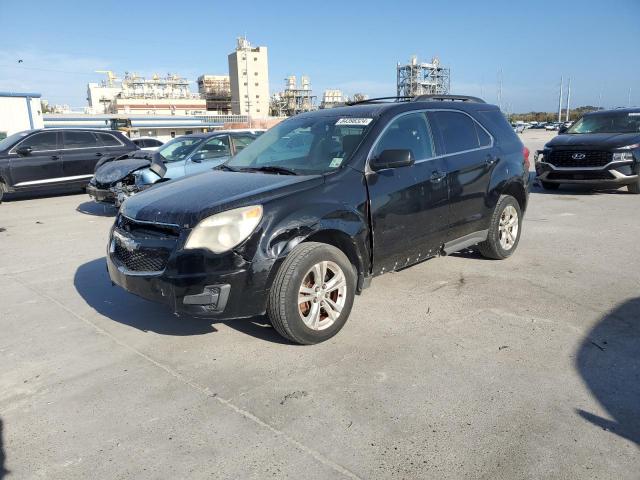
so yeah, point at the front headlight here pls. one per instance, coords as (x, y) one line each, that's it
(223, 231)
(622, 156)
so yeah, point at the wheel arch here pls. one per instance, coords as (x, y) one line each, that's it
(517, 191)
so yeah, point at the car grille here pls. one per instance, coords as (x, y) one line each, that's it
(142, 260)
(143, 247)
(580, 176)
(592, 159)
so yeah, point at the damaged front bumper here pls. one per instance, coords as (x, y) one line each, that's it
(197, 283)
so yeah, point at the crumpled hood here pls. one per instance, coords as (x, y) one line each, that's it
(114, 171)
(186, 201)
(597, 141)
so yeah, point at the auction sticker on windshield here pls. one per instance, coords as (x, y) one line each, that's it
(354, 121)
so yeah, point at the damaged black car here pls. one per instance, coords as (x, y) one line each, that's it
(301, 220)
(118, 178)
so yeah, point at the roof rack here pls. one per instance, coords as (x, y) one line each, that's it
(380, 100)
(448, 98)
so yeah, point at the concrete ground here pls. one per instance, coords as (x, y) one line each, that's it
(456, 368)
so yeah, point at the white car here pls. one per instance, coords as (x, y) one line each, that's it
(149, 144)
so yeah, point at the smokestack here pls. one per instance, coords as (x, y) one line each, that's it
(568, 99)
(560, 100)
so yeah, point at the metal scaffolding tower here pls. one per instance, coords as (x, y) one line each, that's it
(422, 78)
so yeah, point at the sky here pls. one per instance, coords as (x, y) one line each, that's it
(351, 45)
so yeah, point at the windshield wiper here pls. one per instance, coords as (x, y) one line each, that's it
(270, 169)
(225, 167)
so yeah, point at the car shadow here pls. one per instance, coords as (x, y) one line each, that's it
(97, 209)
(3, 456)
(609, 362)
(92, 282)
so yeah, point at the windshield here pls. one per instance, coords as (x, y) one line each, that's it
(12, 139)
(614, 122)
(308, 145)
(179, 148)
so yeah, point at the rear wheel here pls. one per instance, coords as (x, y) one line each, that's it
(2, 190)
(635, 187)
(504, 230)
(549, 186)
(312, 294)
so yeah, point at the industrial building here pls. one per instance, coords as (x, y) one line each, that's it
(294, 98)
(415, 78)
(216, 90)
(157, 95)
(332, 98)
(19, 111)
(249, 80)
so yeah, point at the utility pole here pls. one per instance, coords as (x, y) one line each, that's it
(568, 99)
(560, 100)
(500, 88)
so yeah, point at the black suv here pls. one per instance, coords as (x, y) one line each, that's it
(602, 150)
(34, 159)
(301, 219)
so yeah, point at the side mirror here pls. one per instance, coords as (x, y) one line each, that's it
(392, 159)
(24, 151)
(198, 157)
(562, 129)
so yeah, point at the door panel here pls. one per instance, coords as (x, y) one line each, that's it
(42, 166)
(212, 153)
(470, 159)
(409, 204)
(81, 151)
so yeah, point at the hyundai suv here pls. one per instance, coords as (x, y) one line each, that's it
(601, 150)
(304, 217)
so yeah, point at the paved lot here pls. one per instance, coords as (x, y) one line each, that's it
(457, 368)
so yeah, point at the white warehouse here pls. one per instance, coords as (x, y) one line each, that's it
(19, 111)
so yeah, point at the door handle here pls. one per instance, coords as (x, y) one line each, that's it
(491, 159)
(437, 176)
(98, 154)
(55, 157)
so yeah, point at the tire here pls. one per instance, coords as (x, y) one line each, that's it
(497, 246)
(296, 279)
(2, 190)
(549, 186)
(634, 187)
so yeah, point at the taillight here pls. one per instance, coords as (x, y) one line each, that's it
(525, 158)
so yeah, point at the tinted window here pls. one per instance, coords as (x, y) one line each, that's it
(79, 140)
(458, 131)
(409, 132)
(41, 141)
(214, 148)
(496, 122)
(108, 140)
(483, 136)
(242, 141)
(153, 143)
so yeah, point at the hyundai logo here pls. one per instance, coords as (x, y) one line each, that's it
(578, 156)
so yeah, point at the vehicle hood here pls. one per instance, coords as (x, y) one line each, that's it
(186, 201)
(114, 171)
(595, 140)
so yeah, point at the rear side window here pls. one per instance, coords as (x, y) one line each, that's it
(458, 131)
(41, 141)
(483, 136)
(242, 141)
(408, 132)
(108, 140)
(79, 140)
(497, 124)
(153, 143)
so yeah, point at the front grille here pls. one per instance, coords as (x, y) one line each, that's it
(143, 247)
(592, 158)
(142, 260)
(580, 176)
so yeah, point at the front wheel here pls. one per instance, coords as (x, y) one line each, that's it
(504, 230)
(312, 293)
